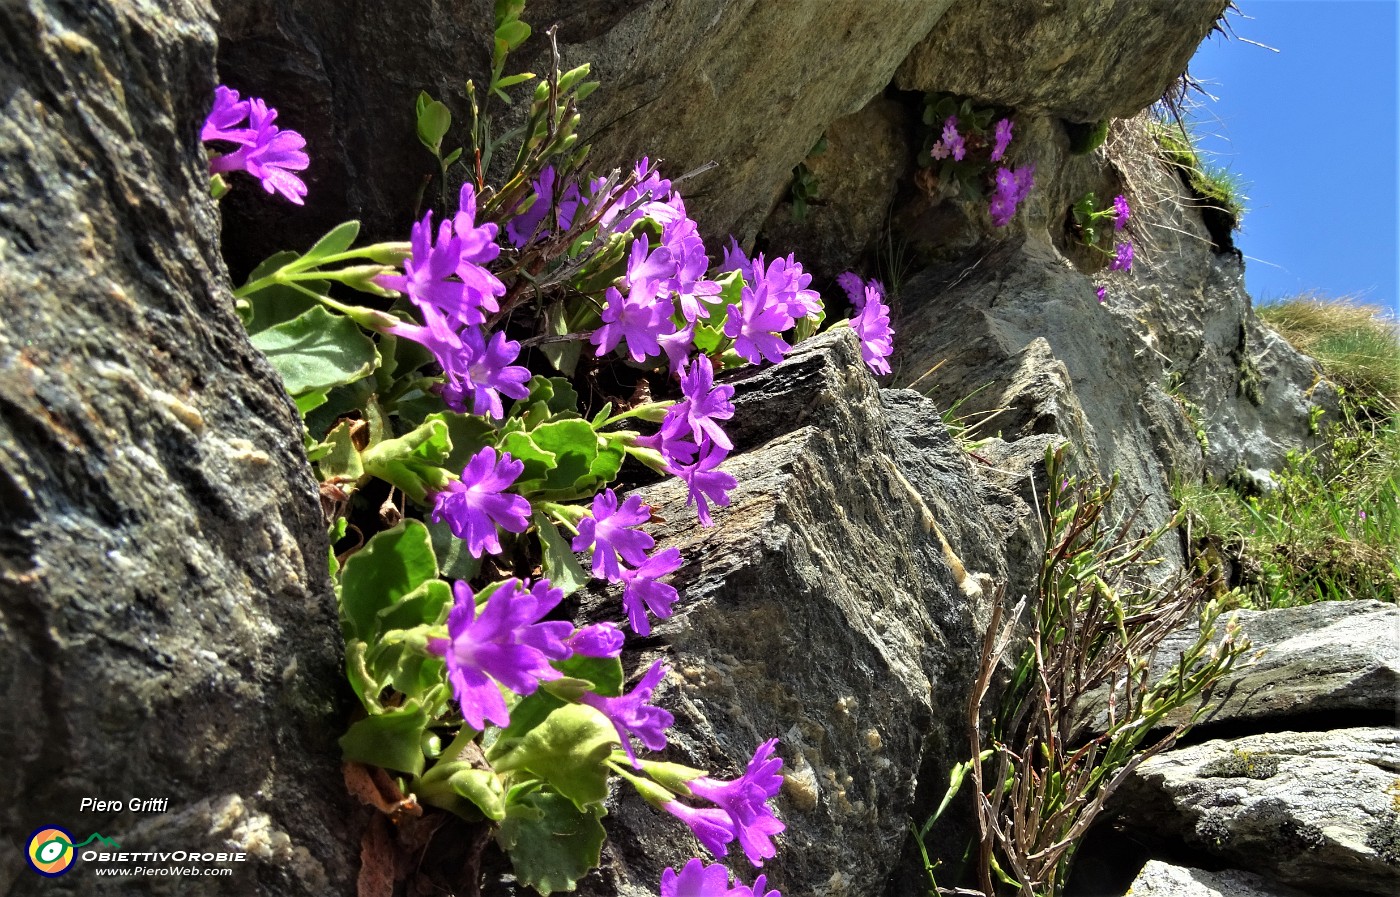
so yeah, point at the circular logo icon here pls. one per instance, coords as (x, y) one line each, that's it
(50, 851)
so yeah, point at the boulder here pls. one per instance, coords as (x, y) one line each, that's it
(857, 173)
(1159, 879)
(167, 629)
(823, 608)
(1335, 661)
(1081, 60)
(1316, 810)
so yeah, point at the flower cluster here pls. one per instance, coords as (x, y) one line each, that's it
(1091, 222)
(264, 150)
(871, 322)
(698, 880)
(740, 808)
(1012, 188)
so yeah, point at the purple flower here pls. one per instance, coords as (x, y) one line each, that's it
(674, 449)
(702, 407)
(787, 286)
(1122, 258)
(271, 156)
(760, 885)
(1120, 212)
(526, 226)
(651, 190)
(636, 318)
(735, 260)
(872, 325)
(228, 112)
(712, 827)
(477, 247)
(506, 643)
(854, 287)
(611, 531)
(952, 139)
(687, 249)
(754, 325)
(704, 482)
(485, 372)
(1002, 138)
(427, 270)
(643, 591)
(1012, 187)
(677, 345)
(597, 640)
(745, 800)
(696, 880)
(1101, 292)
(475, 505)
(632, 716)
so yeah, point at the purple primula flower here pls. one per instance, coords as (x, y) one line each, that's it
(635, 318)
(652, 190)
(952, 139)
(1012, 187)
(1122, 257)
(477, 248)
(682, 238)
(648, 270)
(505, 643)
(477, 503)
(702, 407)
(872, 325)
(597, 640)
(1120, 212)
(1002, 139)
(437, 336)
(854, 287)
(787, 286)
(611, 531)
(632, 716)
(642, 589)
(735, 260)
(1101, 292)
(746, 801)
(674, 449)
(704, 482)
(426, 271)
(696, 880)
(488, 374)
(223, 120)
(712, 827)
(677, 346)
(754, 325)
(759, 889)
(271, 156)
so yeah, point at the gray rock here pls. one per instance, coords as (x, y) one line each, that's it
(167, 628)
(866, 154)
(749, 85)
(1078, 59)
(822, 608)
(1159, 879)
(1312, 809)
(334, 75)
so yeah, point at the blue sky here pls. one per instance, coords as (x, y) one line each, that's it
(1312, 131)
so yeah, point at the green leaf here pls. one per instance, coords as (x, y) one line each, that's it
(276, 303)
(414, 462)
(512, 33)
(336, 241)
(611, 452)
(362, 682)
(568, 750)
(317, 350)
(434, 119)
(563, 355)
(551, 844)
(468, 434)
(308, 402)
(512, 80)
(560, 564)
(537, 461)
(506, 10)
(393, 564)
(574, 446)
(483, 788)
(604, 672)
(392, 739)
(426, 605)
(342, 463)
(453, 558)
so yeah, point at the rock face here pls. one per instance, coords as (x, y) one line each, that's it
(166, 626)
(1081, 60)
(1311, 809)
(1159, 879)
(333, 76)
(1171, 377)
(823, 609)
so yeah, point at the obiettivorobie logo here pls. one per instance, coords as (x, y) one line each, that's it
(51, 850)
